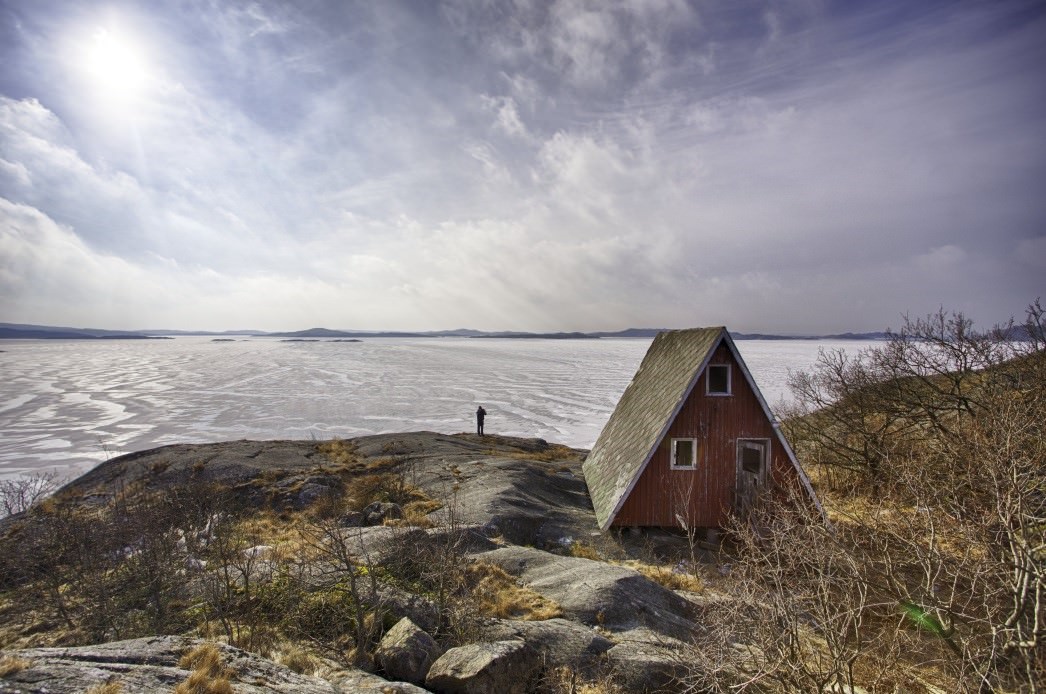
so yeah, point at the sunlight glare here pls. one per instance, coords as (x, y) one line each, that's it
(116, 64)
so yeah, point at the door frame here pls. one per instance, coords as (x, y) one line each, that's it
(748, 484)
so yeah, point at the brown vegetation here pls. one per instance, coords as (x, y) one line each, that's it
(10, 665)
(933, 572)
(209, 674)
(497, 594)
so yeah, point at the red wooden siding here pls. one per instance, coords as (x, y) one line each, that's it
(704, 495)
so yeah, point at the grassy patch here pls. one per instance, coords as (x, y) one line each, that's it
(10, 665)
(342, 454)
(584, 551)
(110, 687)
(366, 489)
(497, 594)
(554, 453)
(416, 513)
(209, 674)
(297, 659)
(667, 577)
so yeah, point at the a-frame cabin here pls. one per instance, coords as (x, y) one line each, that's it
(691, 439)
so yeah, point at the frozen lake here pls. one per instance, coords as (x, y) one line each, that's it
(70, 405)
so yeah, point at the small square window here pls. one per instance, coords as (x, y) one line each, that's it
(718, 379)
(684, 453)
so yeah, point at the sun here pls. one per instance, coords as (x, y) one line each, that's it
(116, 64)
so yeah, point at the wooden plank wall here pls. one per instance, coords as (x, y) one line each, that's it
(704, 495)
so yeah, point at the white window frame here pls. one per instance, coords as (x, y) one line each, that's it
(693, 454)
(729, 381)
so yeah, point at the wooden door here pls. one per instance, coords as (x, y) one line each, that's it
(753, 456)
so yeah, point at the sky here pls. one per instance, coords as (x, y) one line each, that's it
(802, 166)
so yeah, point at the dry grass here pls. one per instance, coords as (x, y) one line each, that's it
(201, 683)
(281, 531)
(270, 527)
(110, 687)
(497, 594)
(565, 680)
(206, 656)
(297, 659)
(554, 453)
(9, 665)
(366, 489)
(383, 463)
(584, 551)
(668, 577)
(209, 674)
(341, 453)
(416, 513)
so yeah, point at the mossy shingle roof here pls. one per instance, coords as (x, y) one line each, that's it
(645, 411)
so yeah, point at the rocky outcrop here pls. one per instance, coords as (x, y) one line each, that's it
(406, 652)
(147, 666)
(359, 682)
(506, 502)
(643, 660)
(500, 667)
(559, 643)
(597, 593)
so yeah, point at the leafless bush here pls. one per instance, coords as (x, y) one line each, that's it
(21, 493)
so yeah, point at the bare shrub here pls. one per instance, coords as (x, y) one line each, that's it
(343, 595)
(21, 493)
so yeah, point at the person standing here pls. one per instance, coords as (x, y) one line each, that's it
(480, 414)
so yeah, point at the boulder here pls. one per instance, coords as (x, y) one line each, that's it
(310, 493)
(380, 511)
(400, 603)
(646, 661)
(352, 519)
(499, 667)
(559, 642)
(360, 682)
(406, 652)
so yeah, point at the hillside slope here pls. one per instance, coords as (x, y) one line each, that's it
(477, 540)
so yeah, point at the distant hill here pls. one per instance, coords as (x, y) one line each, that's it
(14, 331)
(839, 336)
(187, 333)
(325, 332)
(543, 336)
(45, 332)
(631, 332)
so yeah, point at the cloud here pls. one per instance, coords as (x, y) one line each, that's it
(562, 165)
(506, 114)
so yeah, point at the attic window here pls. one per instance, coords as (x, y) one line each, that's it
(684, 454)
(717, 381)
